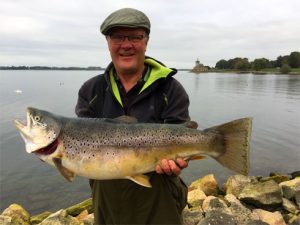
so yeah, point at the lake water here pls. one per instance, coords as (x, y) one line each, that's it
(272, 100)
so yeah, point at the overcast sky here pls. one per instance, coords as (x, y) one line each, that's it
(66, 32)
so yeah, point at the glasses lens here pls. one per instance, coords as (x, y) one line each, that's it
(118, 38)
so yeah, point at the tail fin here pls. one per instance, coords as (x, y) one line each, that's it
(236, 136)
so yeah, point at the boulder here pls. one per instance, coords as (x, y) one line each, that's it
(207, 184)
(78, 208)
(265, 194)
(212, 203)
(5, 220)
(295, 220)
(278, 177)
(15, 215)
(256, 222)
(195, 198)
(192, 216)
(289, 206)
(241, 214)
(290, 187)
(235, 184)
(61, 217)
(272, 218)
(89, 219)
(297, 196)
(217, 218)
(39, 218)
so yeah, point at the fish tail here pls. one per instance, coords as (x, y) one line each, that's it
(235, 137)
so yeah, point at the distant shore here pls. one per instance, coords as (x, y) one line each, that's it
(259, 72)
(211, 70)
(49, 68)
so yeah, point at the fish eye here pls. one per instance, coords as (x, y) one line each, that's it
(37, 118)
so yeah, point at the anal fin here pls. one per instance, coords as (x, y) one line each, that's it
(68, 174)
(142, 180)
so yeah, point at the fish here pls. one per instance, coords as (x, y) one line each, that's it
(123, 148)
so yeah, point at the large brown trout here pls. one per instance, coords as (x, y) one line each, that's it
(121, 148)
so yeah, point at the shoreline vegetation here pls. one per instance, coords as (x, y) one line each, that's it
(242, 200)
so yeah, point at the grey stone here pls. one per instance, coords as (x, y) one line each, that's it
(217, 218)
(239, 211)
(289, 187)
(235, 184)
(192, 216)
(265, 194)
(289, 206)
(60, 218)
(15, 215)
(256, 222)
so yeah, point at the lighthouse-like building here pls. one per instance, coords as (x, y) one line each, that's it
(198, 68)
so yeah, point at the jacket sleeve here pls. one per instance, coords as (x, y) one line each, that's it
(86, 96)
(177, 103)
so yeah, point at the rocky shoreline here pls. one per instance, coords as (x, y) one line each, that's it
(243, 200)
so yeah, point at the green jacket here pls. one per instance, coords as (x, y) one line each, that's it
(161, 99)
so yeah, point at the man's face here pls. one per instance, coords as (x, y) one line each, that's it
(127, 53)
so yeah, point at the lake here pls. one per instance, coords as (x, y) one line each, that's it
(273, 101)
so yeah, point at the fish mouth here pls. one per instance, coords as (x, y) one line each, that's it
(28, 135)
(24, 127)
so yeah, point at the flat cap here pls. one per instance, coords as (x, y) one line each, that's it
(126, 17)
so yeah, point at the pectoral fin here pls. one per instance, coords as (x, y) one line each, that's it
(197, 157)
(68, 174)
(142, 180)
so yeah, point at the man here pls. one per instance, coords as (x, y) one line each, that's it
(144, 88)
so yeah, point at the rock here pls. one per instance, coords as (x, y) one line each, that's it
(196, 197)
(82, 215)
(266, 194)
(192, 216)
(289, 187)
(295, 220)
(78, 208)
(297, 196)
(235, 184)
(61, 217)
(295, 174)
(272, 218)
(212, 203)
(207, 184)
(289, 206)
(256, 222)
(278, 178)
(39, 218)
(5, 220)
(217, 218)
(15, 215)
(239, 211)
(89, 219)
(86, 218)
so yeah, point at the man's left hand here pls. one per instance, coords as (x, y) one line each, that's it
(171, 167)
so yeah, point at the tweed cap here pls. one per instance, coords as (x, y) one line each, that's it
(126, 17)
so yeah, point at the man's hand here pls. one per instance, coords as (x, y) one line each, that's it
(171, 167)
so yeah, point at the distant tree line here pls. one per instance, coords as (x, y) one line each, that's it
(48, 68)
(283, 62)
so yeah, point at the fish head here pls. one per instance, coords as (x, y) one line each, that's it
(42, 129)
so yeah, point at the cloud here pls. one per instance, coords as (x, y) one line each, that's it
(66, 33)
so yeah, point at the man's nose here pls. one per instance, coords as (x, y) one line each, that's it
(126, 42)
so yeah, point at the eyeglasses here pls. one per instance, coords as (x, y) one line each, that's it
(134, 38)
